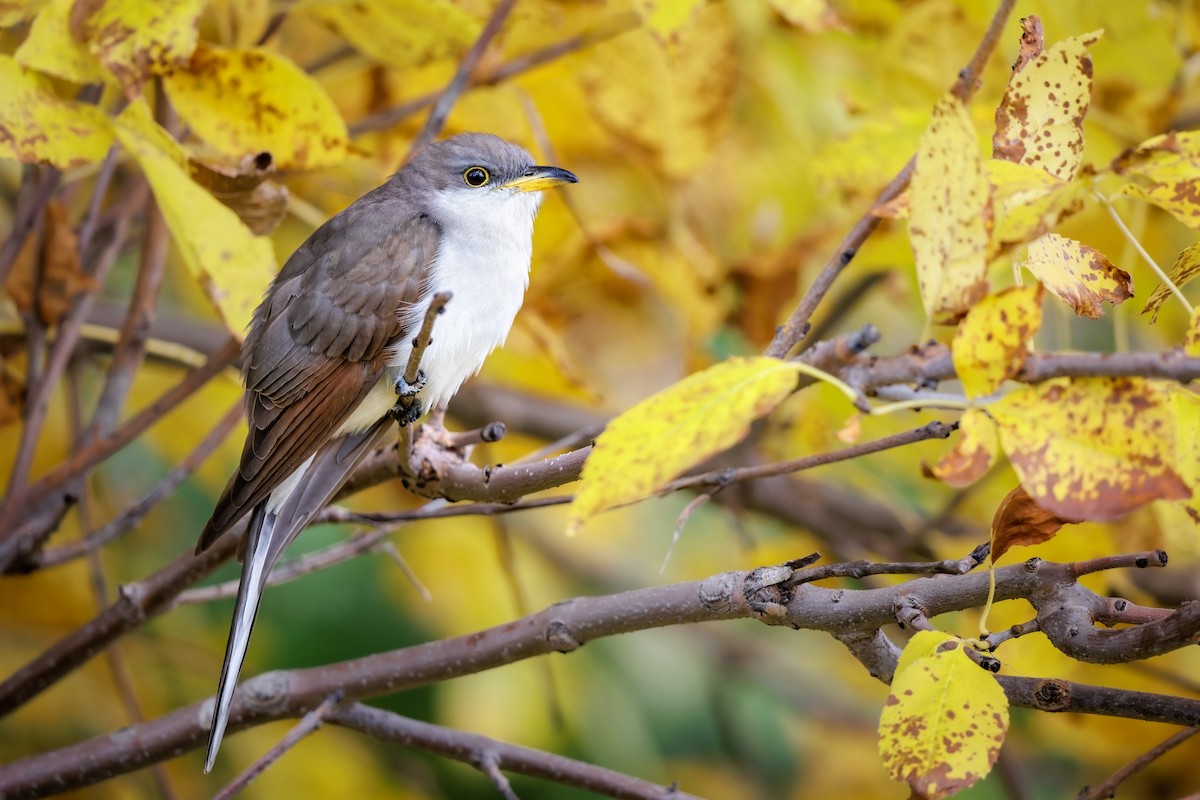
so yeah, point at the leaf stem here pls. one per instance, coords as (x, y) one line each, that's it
(1137, 245)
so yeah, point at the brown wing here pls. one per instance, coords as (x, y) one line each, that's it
(319, 341)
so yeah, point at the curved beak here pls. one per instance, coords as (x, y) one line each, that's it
(535, 179)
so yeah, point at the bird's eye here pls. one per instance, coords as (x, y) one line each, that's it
(476, 176)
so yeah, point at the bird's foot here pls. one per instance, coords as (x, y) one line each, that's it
(406, 389)
(406, 411)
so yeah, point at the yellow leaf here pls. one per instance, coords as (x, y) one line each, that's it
(814, 16)
(233, 264)
(950, 214)
(1191, 339)
(945, 718)
(36, 125)
(1028, 202)
(1186, 267)
(401, 33)
(1186, 411)
(1092, 448)
(50, 47)
(14, 11)
(974, 452)
(1169, 168)
(991, 343)
(1079, 275)
(668, 99)
(1039, 121)
(677, 428)
(247, 101)
(135, 38)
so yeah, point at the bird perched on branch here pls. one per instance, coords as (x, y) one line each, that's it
(325, 357)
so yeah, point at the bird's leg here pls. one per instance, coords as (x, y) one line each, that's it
(407, 409)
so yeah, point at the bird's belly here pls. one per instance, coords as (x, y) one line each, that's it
(378, 402)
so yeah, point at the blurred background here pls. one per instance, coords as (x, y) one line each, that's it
(723, 151)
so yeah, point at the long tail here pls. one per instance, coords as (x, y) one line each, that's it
(254, 580)
(274, 523)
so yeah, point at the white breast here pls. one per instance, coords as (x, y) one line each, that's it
(483, 260)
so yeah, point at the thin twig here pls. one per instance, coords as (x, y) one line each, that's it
(1108, 787)
(134, 514)
(467, 747)
(462, 77)
(309, 723)
(797, 325)
(391, 116)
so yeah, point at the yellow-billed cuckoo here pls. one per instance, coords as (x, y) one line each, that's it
(324, 357)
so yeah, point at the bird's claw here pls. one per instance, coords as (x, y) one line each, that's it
(406, 389)
(407, 410)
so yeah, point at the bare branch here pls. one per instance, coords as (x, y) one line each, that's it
(1108, 787)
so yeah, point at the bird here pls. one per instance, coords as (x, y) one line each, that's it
(325, 354)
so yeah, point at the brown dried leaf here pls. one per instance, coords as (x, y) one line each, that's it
(12, 395)
(1186, 267)
(1021, 521)
(1032, 41)
(258, 202)
(1040, 119)
(1079, 275)
(47, 274)
(21, 282)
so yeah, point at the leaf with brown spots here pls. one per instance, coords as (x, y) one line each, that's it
(974, 452)
(1032, 41)
(1079, 275)
(1167, 173)
(1093, 448)
(944, 720)
(1028, 202)
(1021, 521)
(950, 215)
(232, 264)
(1186, 267)
(677, 428)
(135, 39)
(1039, 121)
(991, 343)
(36, 125)
(1191, 339)
(244, 102)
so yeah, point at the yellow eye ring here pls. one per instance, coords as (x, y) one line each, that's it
(476, 176)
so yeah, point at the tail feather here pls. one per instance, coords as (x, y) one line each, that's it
(274, 523)
(254, 579)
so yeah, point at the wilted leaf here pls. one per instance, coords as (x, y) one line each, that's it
(1032, 41)
(1039, 121)
(62, 275)
(1028, 202)
(677, 428)
(244, 102)
(258, 202)
(1092, 448)
(974, 452)
(1079, 275)
(1169, 168)
(50, 47)
(400, 33)
(35, 125)
(135, 38)
(11, 396)
(950, 214)
(944, 720)
(668, 98)
(991, 343)
(1186, 267)
(233, 264)
(1021, 521)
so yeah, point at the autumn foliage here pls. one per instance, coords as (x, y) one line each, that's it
(940, 253)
